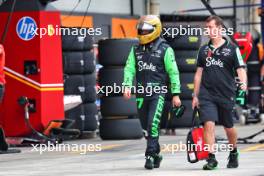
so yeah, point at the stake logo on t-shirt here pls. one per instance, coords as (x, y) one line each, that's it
(212, 61)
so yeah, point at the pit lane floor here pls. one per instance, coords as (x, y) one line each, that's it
(127, 158)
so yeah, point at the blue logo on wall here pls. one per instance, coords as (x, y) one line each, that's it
(26, 28)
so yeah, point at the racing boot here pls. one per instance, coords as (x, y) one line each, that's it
(149, 162)
(157, 160)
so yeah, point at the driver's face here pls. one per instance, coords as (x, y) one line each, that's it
(214, 31)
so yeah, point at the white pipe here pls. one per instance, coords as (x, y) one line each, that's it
(255, 17)
(154, 7)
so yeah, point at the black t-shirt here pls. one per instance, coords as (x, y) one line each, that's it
(219, 66)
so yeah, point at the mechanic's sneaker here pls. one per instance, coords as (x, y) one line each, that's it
(211, 163)
(149, 162)
(157, 160)
(233, 160)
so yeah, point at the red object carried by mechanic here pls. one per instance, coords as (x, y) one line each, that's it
(244, 41)
(195, 141)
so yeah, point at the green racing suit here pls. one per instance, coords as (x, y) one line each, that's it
(153, 65)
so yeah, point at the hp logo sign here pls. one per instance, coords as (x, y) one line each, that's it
(26, 28)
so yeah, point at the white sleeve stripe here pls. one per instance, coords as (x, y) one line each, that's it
(239, 57)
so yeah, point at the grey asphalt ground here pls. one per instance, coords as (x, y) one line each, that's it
(127, 158)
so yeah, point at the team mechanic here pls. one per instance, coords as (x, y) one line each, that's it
(3, 144)
(158, 63)
(2, 75)
(214, 88)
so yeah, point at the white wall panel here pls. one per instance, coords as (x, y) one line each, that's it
(97, 6)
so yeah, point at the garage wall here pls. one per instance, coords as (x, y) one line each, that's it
(172, 6)
(166, 7)
(139, 7)
(244, 15)
(98, 6)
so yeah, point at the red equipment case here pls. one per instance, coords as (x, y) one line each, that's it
(33, 67)
(196, 149)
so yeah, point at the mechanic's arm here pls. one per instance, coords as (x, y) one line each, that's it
(173, 72)
(2, 64)
(2, 61)
(198, 77)
(129, 73)
(240, 68)
(197, 84)
(197, 81)
(2, 57)
(242, 75)
(262, 72)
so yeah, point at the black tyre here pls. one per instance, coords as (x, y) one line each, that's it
(114, 52)
(187, 85)
(87, 79)
(78, 62)
(253, 63)
(168, 96)
(182, 42)
(164, 124)
(254, 96)
(253, 79)
(81, 85)
(85, 117)
(186, 60)
(76, 42)
(118, 106)
(253, 66)
(120, 129)
(112, 77)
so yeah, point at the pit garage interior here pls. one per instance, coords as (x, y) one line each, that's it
(56, 115)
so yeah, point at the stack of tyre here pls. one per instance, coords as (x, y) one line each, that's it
(186, 49)
(80, 79)
(253, 72)
(119, 116)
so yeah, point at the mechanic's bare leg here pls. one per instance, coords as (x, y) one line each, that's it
(209, 136)
(231, 134)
